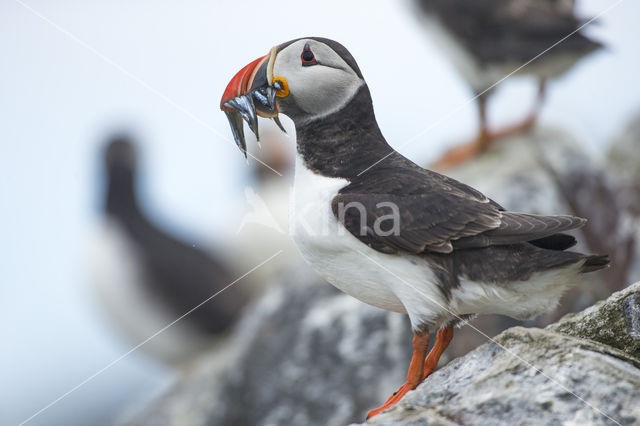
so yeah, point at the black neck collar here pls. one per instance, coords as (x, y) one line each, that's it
(344, 143)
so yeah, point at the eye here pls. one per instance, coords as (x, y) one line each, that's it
(307, 56)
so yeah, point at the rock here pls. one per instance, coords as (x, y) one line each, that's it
(623, 157)
(515, 171)
(527, 376)
(584, 369)
(305, 354)
(308, 355)
(623, 160)
(614, 322)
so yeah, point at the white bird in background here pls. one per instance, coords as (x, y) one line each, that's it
(147, 278)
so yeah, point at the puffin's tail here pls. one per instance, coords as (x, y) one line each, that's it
(557, 242)
(595, 263)
(561, 242)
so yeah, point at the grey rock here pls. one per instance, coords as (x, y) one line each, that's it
(614, 322)
(585, 369)
(308, 355)
(527, 377)
(624, 154)
(623, 160)
(304, 355)
(515, 171)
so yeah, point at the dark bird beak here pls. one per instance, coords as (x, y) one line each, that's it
(251, 93)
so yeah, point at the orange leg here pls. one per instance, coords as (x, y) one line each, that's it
(443, 338)
(460, 154)
(414, 376)
(526, 124)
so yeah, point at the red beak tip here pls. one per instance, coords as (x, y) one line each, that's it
(241, 82)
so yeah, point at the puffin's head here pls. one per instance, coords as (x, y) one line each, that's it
(120, 155)
(305, 79)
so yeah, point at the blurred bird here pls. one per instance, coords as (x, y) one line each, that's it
(148, 278)
(387, 231)
(487, 40)
(262, 226)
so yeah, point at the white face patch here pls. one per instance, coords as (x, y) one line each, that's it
(318, 89)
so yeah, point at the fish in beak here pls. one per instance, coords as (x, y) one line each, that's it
(252, 92)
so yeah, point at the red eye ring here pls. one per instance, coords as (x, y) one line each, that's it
(307, 57)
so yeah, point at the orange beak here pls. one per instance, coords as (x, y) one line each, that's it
(241, 83)
(251, 93)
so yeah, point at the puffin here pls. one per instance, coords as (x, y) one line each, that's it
(146, 277)
(387, 231)
(488, 40)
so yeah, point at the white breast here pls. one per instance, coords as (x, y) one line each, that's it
(393, 282)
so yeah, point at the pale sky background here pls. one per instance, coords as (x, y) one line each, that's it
(59, 97)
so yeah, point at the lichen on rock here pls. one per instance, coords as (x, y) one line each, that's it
(614, 322)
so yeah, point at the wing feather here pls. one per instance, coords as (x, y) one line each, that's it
(434, 213)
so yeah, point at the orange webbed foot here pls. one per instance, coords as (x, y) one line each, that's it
(393, 399)
(414, 376)
(422, 365)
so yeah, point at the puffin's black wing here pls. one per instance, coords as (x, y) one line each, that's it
(416, 210)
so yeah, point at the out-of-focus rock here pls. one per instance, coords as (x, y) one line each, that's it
(514, 171)
(623, 157)
(534, 376)
(304, 355)
(623, 160)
